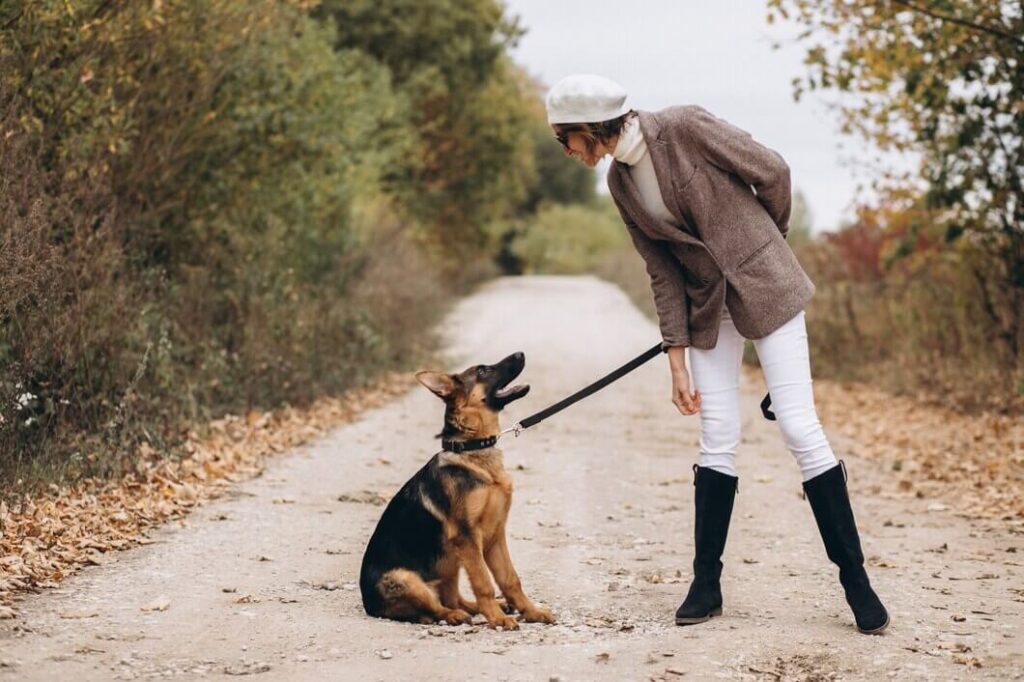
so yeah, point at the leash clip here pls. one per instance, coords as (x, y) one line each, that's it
(516, 429)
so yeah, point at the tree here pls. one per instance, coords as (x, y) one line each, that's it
(944, 79)
(467, 105)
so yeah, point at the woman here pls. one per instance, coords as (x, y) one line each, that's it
(707, 208)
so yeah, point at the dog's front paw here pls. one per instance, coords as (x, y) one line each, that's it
(504, 622)
(539, 615)
(457, 617)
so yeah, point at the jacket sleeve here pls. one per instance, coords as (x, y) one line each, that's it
(667, 285)
(735, 151)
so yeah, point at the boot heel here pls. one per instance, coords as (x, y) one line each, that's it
(876, 631)
(699, 619)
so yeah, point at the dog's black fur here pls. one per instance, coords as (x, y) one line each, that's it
(451, 515)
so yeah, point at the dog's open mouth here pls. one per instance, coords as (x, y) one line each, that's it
(502, 393)
(510, 393)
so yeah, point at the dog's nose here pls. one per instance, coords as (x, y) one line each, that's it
(519, 356)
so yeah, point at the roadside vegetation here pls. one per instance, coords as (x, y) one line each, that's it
(213, 207)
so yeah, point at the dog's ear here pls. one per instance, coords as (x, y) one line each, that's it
(441, 384)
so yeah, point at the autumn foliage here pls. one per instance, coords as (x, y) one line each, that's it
(924, 291)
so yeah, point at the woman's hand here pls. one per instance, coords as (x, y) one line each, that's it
(687, 403)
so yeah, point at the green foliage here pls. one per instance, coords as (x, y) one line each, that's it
(468, 109)
(560, 178)
(233, 203)
(569, 239)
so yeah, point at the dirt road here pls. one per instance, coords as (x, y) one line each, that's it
(263, 582)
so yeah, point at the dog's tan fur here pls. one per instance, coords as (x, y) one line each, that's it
(473, 536)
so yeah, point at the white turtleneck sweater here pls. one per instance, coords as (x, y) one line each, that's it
(631, 149)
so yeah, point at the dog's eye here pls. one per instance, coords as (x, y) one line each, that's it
(483, 371)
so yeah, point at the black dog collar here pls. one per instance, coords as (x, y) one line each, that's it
(468, 445)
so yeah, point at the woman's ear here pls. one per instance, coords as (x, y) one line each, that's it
(441, 384)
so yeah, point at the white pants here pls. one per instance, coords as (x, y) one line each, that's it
(785, 361)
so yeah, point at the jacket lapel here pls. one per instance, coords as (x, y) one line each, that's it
(653, 226)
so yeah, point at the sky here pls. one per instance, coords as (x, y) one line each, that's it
(716, 54)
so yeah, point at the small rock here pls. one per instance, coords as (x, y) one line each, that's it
(247, 668)
(159, 604)
(76, 615)
(384, 653)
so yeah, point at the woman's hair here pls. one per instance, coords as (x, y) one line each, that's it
(601, 131)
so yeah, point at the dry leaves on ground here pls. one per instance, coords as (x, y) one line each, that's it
(974, 462)
(47, 537)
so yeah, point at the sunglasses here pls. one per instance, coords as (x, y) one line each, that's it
(563, 137)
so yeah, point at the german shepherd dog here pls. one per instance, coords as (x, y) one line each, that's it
(451, 515)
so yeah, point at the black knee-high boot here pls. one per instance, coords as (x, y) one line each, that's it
(830, 502)
(713, 499)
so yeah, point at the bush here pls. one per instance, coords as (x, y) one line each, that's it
(208, 214)
(568, 238)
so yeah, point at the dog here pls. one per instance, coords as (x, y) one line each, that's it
(451, 515)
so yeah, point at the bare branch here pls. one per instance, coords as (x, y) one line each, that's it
(991, 30)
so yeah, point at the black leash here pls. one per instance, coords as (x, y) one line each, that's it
(579, 395)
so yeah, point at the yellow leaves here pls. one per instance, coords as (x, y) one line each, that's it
(50, 536)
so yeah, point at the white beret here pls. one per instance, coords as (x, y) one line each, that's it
(585, 98)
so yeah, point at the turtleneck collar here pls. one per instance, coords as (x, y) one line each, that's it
(631, 146)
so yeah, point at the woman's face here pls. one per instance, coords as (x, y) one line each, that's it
(576, 147)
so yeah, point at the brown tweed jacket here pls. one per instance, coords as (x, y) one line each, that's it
(731, 199)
